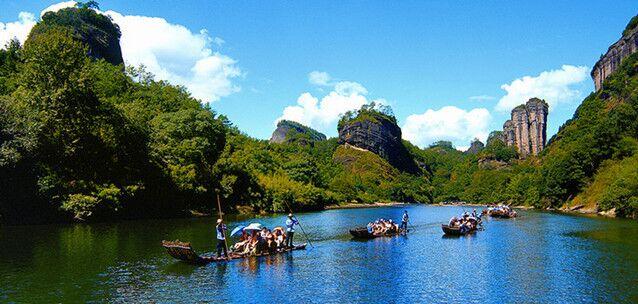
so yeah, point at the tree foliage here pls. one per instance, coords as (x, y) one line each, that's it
(83, 138)
(80, 138)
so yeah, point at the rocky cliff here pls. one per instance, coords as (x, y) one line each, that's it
(475, 147)
(97, 31)
(527, 128)
(290, 131)
(379, 135)
(621, 49)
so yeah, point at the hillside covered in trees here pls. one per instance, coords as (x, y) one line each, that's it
(82, 138)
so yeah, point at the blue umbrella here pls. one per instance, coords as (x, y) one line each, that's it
(253, 226)
(237, 230)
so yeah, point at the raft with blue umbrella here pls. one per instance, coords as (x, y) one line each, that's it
(183, 251)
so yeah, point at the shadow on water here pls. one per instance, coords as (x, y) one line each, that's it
(378, 239)
(449, 236)
(179, 268)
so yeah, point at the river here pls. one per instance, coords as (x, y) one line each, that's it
(539, 257)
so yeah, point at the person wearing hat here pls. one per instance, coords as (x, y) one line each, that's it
(221, 238)
(290, 229)
(404, 220)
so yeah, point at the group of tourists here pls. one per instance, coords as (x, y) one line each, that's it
(500, 211)
(466, 222)
(387, 226)
(258, 241)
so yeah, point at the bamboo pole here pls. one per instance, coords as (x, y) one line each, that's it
(298, 222)
(219, 207)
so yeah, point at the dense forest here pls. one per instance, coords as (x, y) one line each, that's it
(83, 137)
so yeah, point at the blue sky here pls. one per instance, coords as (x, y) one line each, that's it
(448, 57)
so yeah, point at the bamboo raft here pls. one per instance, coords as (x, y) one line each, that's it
(363, 233)
(500, 214)
(456, 231)
(183, 251)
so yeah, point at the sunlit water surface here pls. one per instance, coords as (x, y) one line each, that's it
(537, 258)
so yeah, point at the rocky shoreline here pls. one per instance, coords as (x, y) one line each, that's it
(577, 209)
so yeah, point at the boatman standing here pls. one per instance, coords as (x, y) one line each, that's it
(290, 229)
(221, 238)
(404, 220)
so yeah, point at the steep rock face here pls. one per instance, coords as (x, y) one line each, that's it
(537, 110)
(520, 122)
(508, 134)
(290, 131)
(382, 137)
(97, 31)
(527, 128)
(475, 147)
(608, 63)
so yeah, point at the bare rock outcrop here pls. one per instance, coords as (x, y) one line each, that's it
(475, 147)
(621, 49)
(380, 136)
(527, 128)
(290, 131)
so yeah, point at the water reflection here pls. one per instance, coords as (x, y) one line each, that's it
(539, 257)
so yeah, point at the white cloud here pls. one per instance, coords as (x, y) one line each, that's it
(19, 29)
(58, 6)
(174, 53)
(448, 123)
(218, 41)
(555, 86)
(349, 88)
(481, 97)
(170, 51)
(323, 114)
(319, 78)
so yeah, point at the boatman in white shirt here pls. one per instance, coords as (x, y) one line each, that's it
(290, 229)
(404, 220)
(221, 238)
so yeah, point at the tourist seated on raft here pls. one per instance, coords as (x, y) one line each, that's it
(280, 237)
(501, 209)
(244, 239)
(271, 244)
(464, 227)
(453, 221)
(465, 222)
(260, 242)
(267, 241)
(250, 246)
(382, 226)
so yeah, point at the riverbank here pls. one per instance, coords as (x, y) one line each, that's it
(591, 211)
(362, 205)
(459, 204)
(567, 209)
